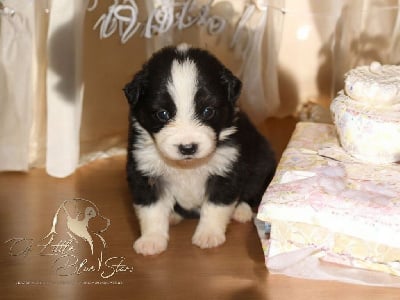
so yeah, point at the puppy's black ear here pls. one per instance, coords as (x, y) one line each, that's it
(134, 89)
(233, 85)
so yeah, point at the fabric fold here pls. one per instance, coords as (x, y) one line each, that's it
(64, 85)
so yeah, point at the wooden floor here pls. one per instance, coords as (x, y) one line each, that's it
(36, 267)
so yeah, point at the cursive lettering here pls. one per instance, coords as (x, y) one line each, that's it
(115, 265)
(19, 246)
(60, 248)
(69, 265)
(122, 17)
(66, 265)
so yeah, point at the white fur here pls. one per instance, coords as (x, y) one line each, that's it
(174, 218)
(183, 47)
(154, 220)
(150, 163)
(214, 219)
(154, 226)
(182, 87)
(242, 213)
(184, 180)
(193, 173)
(183, 132)
(225, 133)
(184, 129)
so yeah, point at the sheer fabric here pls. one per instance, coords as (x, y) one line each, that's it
(64, 85)
(62, 67)
(17, 78)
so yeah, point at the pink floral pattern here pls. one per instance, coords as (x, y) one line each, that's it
(320, 187)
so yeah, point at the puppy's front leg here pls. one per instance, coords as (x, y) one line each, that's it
(214, 218)
(154, 226)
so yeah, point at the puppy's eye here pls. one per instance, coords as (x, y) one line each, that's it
(208, 113)
(163, 115)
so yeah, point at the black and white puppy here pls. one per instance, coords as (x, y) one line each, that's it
(190, 149)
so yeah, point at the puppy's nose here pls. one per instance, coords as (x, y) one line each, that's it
(188, 149)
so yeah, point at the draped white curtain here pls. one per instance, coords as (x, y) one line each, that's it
(64, 85)
(41, 84)
(17, 80)
(62, 67)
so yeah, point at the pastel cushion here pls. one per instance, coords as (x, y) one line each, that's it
(322, 199)
(376, 84)
(370, 134)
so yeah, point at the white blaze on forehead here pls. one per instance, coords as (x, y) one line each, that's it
(184, 128)
(183, 47)
(183, 87)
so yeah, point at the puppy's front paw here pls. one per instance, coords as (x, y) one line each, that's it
(242, 213)
(150, 244)
(207, 238)
(174, 218)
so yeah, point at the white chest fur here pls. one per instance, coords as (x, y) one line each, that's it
(187, 187)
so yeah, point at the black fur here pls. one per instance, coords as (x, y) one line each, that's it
(253, 170)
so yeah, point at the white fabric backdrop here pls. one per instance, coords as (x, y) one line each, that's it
(17, 80)
(287, 53)
(64, 85)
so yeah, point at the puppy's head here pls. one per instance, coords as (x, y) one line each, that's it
(185, 99)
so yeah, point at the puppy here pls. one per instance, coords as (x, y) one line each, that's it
(190, 150)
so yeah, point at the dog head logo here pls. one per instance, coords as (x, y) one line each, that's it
(81, 221)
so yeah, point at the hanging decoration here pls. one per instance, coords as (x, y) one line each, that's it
(122, 17)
